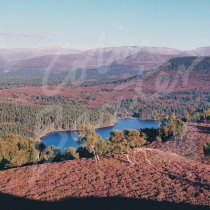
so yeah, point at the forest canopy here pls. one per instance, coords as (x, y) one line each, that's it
(30, 121)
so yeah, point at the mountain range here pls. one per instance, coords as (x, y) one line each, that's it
(63, 59)
(104, 64)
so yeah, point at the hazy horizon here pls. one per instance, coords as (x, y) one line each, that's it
(83, 25)
(80, 49)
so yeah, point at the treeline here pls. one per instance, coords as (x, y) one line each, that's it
(30, 121)
(49, 100)
(197, 115)
(152, 109)
(194, 95)
(28, 77)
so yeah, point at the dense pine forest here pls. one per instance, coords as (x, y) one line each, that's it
(29, 121)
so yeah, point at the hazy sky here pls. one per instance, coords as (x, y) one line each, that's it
(83, 24)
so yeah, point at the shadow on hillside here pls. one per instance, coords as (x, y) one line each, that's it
(8, 202)
(202, 129)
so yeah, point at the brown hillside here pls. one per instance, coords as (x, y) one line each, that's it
(157, 175)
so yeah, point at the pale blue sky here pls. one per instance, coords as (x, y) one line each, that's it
(182, 24)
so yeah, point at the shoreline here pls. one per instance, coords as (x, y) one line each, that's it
(51, 130)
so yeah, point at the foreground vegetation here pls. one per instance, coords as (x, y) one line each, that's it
(16, 151)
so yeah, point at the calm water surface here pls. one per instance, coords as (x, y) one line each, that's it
(66, 139)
